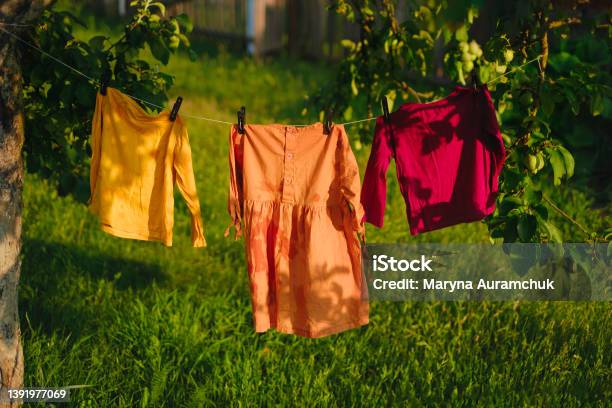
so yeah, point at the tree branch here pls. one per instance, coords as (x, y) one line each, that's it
(561, 23)
(566, 215)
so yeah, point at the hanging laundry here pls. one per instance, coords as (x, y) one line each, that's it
(136, 160)
(448, 155)
(296, 192)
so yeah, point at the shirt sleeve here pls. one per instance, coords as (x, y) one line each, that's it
(96, 135)
(235, 197)
(185, 181)
(350, 185)
(374, 192)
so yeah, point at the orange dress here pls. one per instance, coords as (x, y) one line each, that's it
(295, 190)
(137, 158)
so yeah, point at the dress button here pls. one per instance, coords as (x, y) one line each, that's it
(289, 156)
(288, 180)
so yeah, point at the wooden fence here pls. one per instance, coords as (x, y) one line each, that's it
(304, 28)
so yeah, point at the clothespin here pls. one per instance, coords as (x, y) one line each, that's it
(385, 107)
(328, 124)
(241, 120)
(475, 80)
(106, 77)
(175, 108)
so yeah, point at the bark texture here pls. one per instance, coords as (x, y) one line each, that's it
(12, 12)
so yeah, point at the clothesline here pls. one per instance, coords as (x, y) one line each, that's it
(15, 25)
(95, 81)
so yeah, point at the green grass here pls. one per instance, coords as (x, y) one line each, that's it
(144, 325)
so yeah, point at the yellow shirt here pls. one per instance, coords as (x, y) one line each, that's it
(136, 160)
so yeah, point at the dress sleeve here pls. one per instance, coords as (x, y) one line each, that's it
(350, 185)
(374, 192)
(96, 135)
(496, 141)
(185, 181)
(235, 197)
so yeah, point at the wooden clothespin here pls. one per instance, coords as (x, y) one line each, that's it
(241, 120)
(385, 107)
(175, 108)
(328, 124)
(475, 80)
(104, 80)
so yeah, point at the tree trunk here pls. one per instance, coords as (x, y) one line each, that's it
(11, 186)
(11, 183)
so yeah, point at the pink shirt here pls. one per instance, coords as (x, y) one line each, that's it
(448, 155)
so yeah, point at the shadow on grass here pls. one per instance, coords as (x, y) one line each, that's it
(68, 288)
(126, 273)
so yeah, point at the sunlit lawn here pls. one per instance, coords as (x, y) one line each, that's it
(144, 325)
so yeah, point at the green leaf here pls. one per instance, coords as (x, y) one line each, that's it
(348, 114)
(541, 210)
(173, 42)
(135, 38)
(547, 105)
(532, 195)
(185, 22)
(497, 233)
(484, 73)
(160, 6)
(509, 203)
(462, 34)
(184, 40)
(526, 227)
(97, 42)
(562, 163)
(568, 161)
(391, 97)
(573, 101)
(597, 104)
(426, 37)
(510, 230)
(347, 44)
(553, 232)
(460, 77)
(512, 179)
(354, 87)
(176, 28)
(159, 49)
(558, 164)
